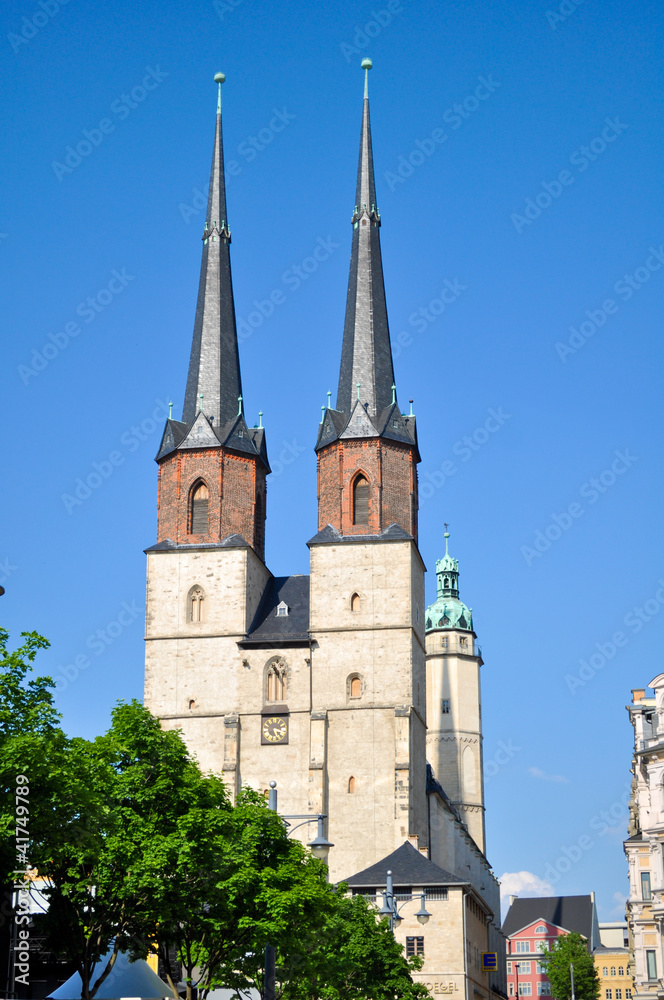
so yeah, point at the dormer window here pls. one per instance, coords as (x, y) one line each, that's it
(282, 610)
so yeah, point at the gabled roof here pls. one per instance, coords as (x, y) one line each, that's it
(269, 628)
(409, 868)
(572, 913)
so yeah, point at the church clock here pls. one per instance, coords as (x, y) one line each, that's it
(274, 729)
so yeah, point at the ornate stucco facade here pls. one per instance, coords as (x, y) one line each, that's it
(645, 846)
(341, 686)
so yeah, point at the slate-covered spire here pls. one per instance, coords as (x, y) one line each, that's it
(214, 365)
(366, 356)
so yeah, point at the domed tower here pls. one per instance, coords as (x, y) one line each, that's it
(454, 704)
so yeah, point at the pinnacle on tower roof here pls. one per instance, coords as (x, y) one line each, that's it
(366, 356)
(214, 365)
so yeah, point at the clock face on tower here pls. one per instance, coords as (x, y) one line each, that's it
(274, 729)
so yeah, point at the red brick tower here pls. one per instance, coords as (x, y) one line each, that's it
(367, 449)
(212, 466)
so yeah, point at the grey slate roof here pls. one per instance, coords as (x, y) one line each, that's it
(574, 913)
(232, 542)
(214, 365)
(271, 629)
(330, 536)
(408, 867)
(366, 355)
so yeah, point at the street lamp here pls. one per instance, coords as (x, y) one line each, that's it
(391, 910)
(319, 847)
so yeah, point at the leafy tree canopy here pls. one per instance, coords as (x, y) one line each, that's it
(571, 949)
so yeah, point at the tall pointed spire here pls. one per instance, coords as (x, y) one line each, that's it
(214, 365)
(366, 356)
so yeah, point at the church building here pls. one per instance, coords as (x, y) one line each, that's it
(341, 686)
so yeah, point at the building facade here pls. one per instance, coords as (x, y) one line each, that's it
(645, 846)
(532, 926)
(339, 685)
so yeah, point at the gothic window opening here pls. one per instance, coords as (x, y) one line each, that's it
(354, 686)
(276, 681)
(196, 609)
(351, 785)
(355, 602)
(198, 514)
(192, 704)
(361, 500)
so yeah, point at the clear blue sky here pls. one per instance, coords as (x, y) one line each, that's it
(533, 202)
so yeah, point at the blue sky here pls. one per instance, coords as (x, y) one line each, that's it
(518, 155)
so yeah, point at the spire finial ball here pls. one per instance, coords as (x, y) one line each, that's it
(366, 64)
(219, 77)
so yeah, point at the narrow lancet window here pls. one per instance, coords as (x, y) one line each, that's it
(361, 500)
(198, 516)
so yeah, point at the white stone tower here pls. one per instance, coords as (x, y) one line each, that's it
(454, 702)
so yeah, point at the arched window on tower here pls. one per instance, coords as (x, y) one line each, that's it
(276, 681)
(196, 605)
(198, 512)
(354, 686)
(355, 602)
(361, 500)
(352, 785)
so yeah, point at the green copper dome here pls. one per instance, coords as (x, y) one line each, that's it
(448, 611)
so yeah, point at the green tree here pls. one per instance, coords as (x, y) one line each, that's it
(571, 949)
(351, 955)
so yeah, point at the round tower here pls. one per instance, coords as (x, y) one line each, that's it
(454, 704)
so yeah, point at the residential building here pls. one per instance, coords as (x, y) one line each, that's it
(532, 926)
(644, 847)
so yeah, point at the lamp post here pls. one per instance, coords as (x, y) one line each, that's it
(319, 847)
(391, 910)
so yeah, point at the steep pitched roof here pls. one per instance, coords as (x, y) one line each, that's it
(214, 365)
(292, 628)
(408, 867)
(572, 913)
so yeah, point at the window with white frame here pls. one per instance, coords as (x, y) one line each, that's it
(544, 989)
(605, 970)
(511, 989)
(613, 970)
(608, 994)
(540, 969)
(628, 994)
(522, 946)
(621, 971)
(540, 930)
(525, 989)
(618, 994)
(651, 964)
(523, 968)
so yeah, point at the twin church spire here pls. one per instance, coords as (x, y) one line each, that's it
(212, 459)
(214, 384)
